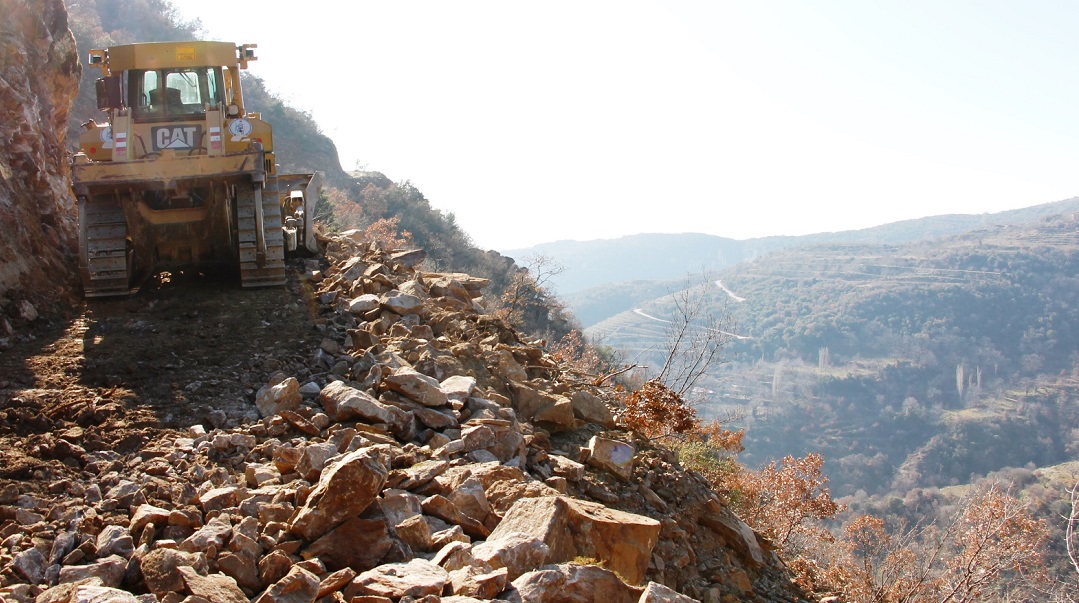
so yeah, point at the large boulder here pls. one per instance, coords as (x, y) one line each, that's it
(273, 398)
(572, 583)
(298, 586)
(358, 543)
(345, 489)
(574, 528)
(218, 588)
(417, 578)
(417, 387)
(160, 569)
(516, 552)
(613, 456)
(345, 403)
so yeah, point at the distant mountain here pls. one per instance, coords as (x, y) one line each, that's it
(671, 258)
(908, 365)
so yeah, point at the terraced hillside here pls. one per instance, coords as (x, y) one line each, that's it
(867, 350)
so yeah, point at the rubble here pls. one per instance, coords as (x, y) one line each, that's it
(431, 453)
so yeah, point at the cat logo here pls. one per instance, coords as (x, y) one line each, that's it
(176, 137)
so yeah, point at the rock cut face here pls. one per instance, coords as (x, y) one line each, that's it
(38, 228)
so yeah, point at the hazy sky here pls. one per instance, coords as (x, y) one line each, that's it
(535, 122)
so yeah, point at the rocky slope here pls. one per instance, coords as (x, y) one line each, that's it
(421, 451)
(39, 75)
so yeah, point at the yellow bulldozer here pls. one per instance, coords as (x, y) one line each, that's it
(182, 174)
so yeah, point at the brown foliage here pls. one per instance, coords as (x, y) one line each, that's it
(989, 550)
(578, 356)
(386, 233)
(781, 500)
(656, 411)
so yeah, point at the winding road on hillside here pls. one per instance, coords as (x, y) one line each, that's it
(729, 292)
(641, 312)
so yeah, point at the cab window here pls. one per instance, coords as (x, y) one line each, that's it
(174, 93)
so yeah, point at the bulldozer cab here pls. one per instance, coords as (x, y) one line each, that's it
(163, 94)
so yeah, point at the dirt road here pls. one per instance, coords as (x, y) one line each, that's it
(122, 372)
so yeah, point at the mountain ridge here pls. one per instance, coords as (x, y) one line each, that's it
(592, 263)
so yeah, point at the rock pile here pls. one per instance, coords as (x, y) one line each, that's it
(429, 454)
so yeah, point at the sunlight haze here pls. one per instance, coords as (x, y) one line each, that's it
(585, 120)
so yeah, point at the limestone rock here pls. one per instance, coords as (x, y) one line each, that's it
(563, 467)
(160, 569)
(409, 257)
(517, 552)
(556, 417)
(470, 498)
(458, 387)
(401, 303)
(590, 408)
(417, 578)
(344, 490)
(272, 399)
(443, 508)
(571, 528)
(658, 593)
(299, 586)
(145, 514)
(571, 583)
(344, 403)
(217, 499)
(735, 531)
(241, 567)
(115, 540)
(30, 564)
(335, 582)
(357, 543)
(363, 304)
(611, 455)
(506, 366)
(274, 566)
(417, 387)
(218, 588)
(213, 534)
(313, 458)
(399, 505)
(415, 532)
(102, 594)
(473, 581)
(110, 570)
(40, 71)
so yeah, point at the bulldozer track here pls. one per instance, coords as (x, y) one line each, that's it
(107, 266)
(257, 269)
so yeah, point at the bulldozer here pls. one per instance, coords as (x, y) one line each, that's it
(182, 174)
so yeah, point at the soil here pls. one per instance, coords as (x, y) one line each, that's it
(120, 373)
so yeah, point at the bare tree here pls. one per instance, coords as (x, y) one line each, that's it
(695, 339)
(528, 291)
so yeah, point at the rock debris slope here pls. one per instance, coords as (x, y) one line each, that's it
(427, 452)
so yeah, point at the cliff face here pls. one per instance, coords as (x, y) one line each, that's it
(39, 75)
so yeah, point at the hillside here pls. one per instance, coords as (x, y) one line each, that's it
(605, 277)
(906, 365)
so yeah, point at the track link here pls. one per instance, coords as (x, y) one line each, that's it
(260, 270)
(103, 234)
